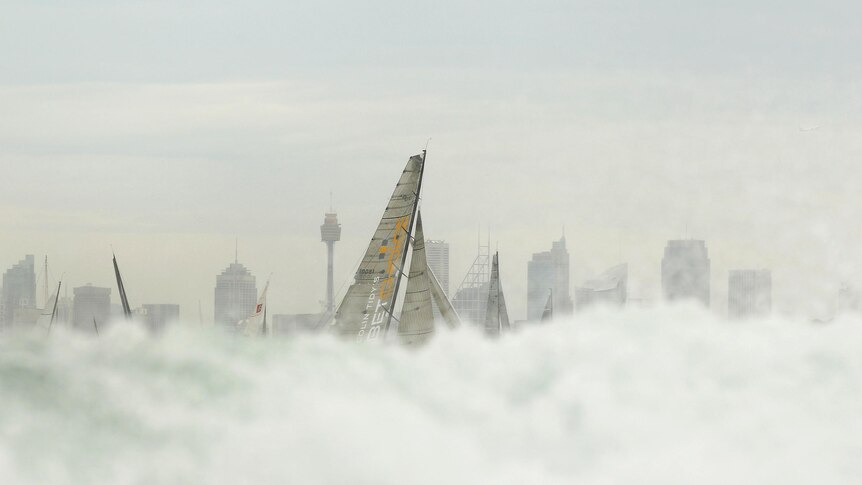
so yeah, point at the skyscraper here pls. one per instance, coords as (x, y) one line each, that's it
(437, 253)
(749, 293)
(471, 298)
(91, 303)
(330, 233)
(235, 295)
(549, 270)
(19, 290)
(685, 271)
(157, 316)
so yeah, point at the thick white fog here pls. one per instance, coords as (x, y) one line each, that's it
(671, 395)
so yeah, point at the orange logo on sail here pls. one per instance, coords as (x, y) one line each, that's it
(393, 249)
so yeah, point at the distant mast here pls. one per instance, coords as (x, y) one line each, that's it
(496, 316)
(127, 311)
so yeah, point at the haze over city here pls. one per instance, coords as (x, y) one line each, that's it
(627, 124)
(667, 193)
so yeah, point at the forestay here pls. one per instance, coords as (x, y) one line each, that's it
(366, 310)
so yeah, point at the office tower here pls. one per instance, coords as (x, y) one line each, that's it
(749, 293)
(685, 271)
(158, 316)
(437, 253)
(235, 295)
(91, 303)
(471, 298)
(19, 291)
(549, 270)
(330, 233)
(610, 288)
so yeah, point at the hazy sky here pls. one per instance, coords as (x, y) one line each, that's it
(168, 130)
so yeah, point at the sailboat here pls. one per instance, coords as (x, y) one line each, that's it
(127, 310)
(255, 324)
(496, 316)
(368, 308)
(548, 313)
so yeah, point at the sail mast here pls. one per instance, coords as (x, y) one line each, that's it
(411, 224)
(54, 311)
(127, 311)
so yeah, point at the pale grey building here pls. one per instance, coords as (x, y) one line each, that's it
(549, 270)
(158, 316)
(437, 254)
(235, 295)
(749, 293)
(19, 290)
(91, 303)
(685, 271)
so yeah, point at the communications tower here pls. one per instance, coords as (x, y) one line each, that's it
(330, 233)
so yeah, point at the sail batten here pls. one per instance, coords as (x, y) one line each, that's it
(366, 311)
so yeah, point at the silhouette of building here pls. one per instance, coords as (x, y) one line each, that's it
(749, 293)
(91, 303)
(330, 233)
(549, 270)
(158, 316)
(685, 271)
(19, 291)
(437, 253)
(610, 288)
(471, 299)
(235, 295)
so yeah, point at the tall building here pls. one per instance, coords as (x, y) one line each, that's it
(158, 316)
(749, 293)
(685, 271)
(437, 253)
(330, 233)
(19, 290)
(610, 288)
(235, 295)
(549, 270)
(471, 298)
(91, 303)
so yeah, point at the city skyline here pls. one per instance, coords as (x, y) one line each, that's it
(628, 144)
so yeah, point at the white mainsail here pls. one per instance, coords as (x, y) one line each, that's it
(366, 310)
(416, 323)
(255, 324)
(496, 316)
